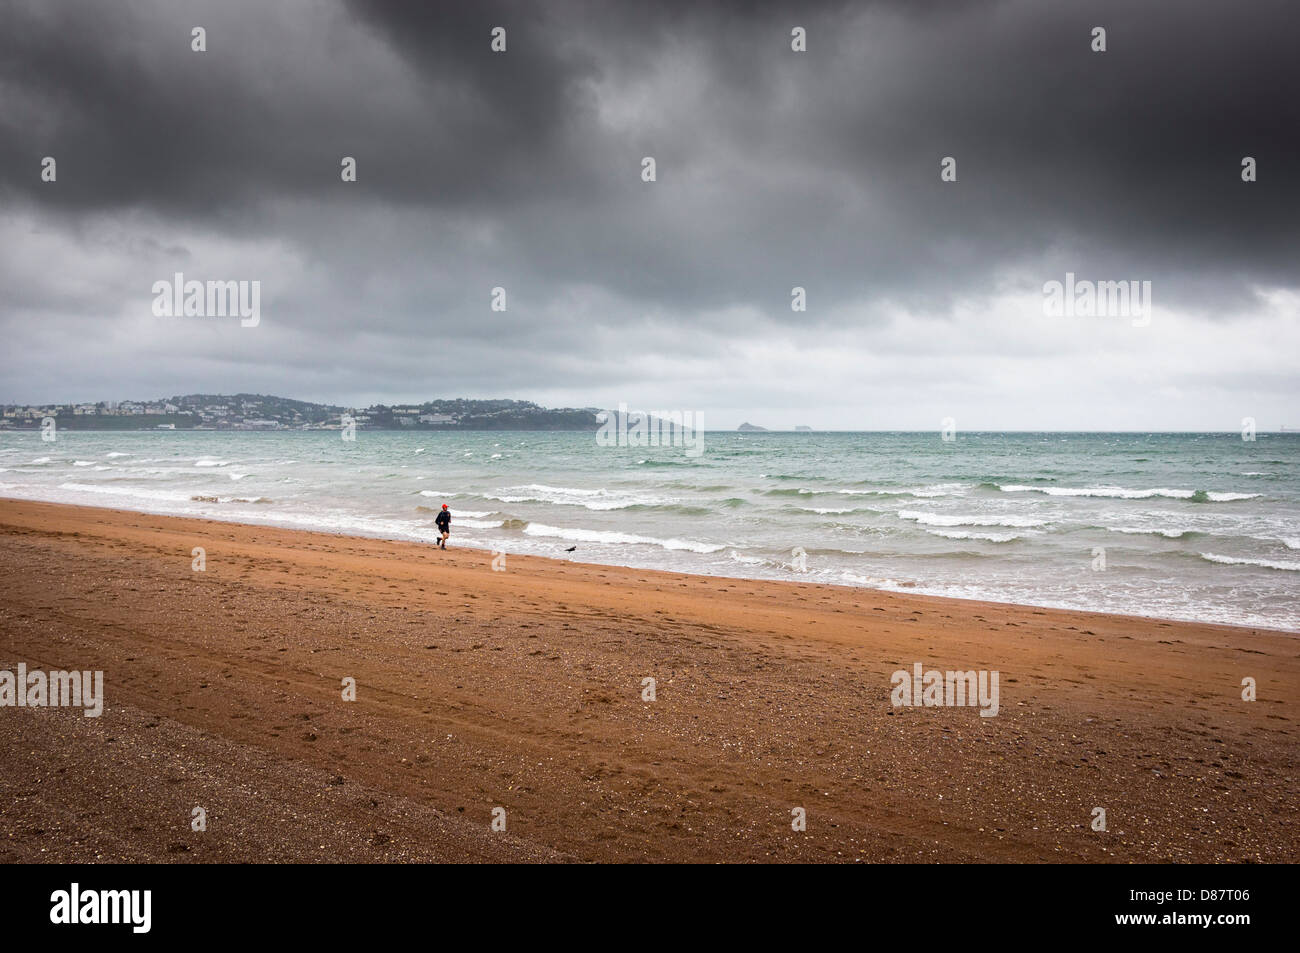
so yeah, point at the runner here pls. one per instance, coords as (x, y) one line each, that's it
(444, 526)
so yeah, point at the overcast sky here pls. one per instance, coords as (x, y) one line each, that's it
(775, 168)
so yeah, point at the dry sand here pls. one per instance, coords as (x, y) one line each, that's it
(522, 689)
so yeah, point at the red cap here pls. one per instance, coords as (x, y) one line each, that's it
(444, 506)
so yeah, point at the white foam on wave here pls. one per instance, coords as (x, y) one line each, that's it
(83, 463)
(968, 534)
(41, 460)
(617, 538)
(945, 519)
(480, 524)
(873, 582)
(209, 462)
(938, 489)
(151, 472)
(471, 514)
(600, 499)
(436, 493)
(338, 521)
(1290, 542)
(1122, 493)
(925, 492)
(116, 453)
(1263, 563)
(1138, 531)
(823, 510)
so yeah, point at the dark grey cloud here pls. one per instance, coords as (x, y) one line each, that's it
(776, 169)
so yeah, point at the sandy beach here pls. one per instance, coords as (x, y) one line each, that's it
(523, 689)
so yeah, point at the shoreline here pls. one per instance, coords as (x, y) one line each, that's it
(524, 689)
(682, 572)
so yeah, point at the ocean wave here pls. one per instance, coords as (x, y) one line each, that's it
(1263, 563)
(1121, 493)
(682, 509)
(939, 489)
(945, 519)
(617, 538)
(1166, 533)
(116, 453)
(437, 493)
(209, 462)
(1290, 542)
(873, 582)
(41, 460)
(930, 491)
(141, 472)
(967, 534)
(480, 524)
(83, 463)
(599, 499)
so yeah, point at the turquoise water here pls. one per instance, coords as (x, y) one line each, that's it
(1191, 526)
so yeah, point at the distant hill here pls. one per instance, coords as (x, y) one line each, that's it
(750, 428)
(268, 412)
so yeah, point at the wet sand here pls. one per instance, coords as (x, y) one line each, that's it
(522, 690)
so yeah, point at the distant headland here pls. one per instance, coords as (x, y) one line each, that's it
(266, 412)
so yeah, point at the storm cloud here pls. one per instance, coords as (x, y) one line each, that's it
(775, 169)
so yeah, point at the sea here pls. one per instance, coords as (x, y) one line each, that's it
(1197, 526)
